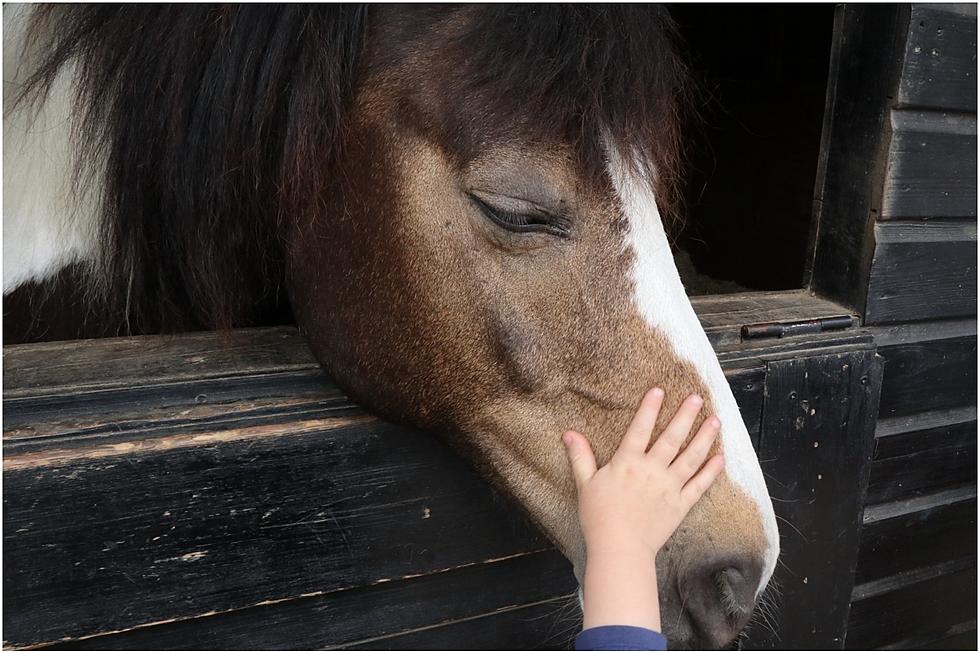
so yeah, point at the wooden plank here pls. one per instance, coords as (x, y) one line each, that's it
(503, 627)
(174, 530)
(928, 374)
(941, 58)
(80, 366)
(900, 334)
(932, 166)
(934, 534)
(389, 609)
(818, 422)
(957, 431)
(954, 638)
(936, 599)
(921, 473)
(922, 271)
(961, 637)
(723, 316)
(866, 57)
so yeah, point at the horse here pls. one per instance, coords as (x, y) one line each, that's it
(466, 208)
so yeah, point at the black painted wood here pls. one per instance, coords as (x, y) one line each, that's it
(916, 474)
(932, 166)
(504, 627)
(922, 271)
(816, 447)
(928, 453)
(381, 615)
(934, 532)
(940, 67)
(182, 525)
(924, 604)
(866, 58)
(938, 429)
(928, 374)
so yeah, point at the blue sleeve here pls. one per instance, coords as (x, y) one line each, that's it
(620, 638)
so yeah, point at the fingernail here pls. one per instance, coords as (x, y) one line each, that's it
(696, 400)
(566, 438)
(658, 392)
(714, 422)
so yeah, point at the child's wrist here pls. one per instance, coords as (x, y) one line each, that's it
(620, 548)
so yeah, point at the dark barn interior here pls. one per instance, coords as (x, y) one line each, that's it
(755, 141)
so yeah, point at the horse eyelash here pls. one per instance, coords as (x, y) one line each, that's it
(524, 223)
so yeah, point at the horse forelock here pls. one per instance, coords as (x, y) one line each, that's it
(589, 75)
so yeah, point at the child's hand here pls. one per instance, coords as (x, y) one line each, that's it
(632, 505)
(640, 497)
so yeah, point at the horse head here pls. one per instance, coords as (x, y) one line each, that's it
(469, 210)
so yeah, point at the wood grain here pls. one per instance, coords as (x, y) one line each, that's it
(940, 63)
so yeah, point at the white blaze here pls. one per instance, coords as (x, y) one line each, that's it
(663, 303)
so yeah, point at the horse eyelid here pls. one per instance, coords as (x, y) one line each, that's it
(544, 222)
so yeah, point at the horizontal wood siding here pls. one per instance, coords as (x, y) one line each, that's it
(919, 535)
(909, 534)
(928, 370)
(922, 271)
(940, 68)
(921, 605)
(932, 166)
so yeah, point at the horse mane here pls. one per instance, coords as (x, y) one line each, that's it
(208, 120)
(212, 124)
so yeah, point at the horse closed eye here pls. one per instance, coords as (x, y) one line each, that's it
(533, 220)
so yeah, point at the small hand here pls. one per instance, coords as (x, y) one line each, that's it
(643, 495)
(632, 505)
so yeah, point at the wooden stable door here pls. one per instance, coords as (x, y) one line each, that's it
(210, 491)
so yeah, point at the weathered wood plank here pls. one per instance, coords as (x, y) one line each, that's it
(899, 436)
(940, 65)
(815, 450)
(109, 363)
(928, 374)
(922, 271)
(954, 638)
(925, 603)
(723, 316)
(503, 627)
(416, 605)
(932, 166)
(920, 473)
(939, 531)
(227, 522)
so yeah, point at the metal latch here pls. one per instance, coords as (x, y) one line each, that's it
(782, 329)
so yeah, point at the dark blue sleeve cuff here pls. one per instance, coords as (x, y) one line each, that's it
(620, 638)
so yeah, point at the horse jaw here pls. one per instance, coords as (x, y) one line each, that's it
(660, 298)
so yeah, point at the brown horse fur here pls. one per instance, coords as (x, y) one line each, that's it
(359, 160)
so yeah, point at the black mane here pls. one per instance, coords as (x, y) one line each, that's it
(214, 122)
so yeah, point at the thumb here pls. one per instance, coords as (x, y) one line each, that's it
(580, 456)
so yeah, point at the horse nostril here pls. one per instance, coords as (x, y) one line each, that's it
(719, 600)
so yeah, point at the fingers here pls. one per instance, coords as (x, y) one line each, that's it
(637, 437)
(701, 481)
(689, 461)
(674, 436)
(580, 456)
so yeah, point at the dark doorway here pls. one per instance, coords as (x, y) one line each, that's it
(762, 71)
